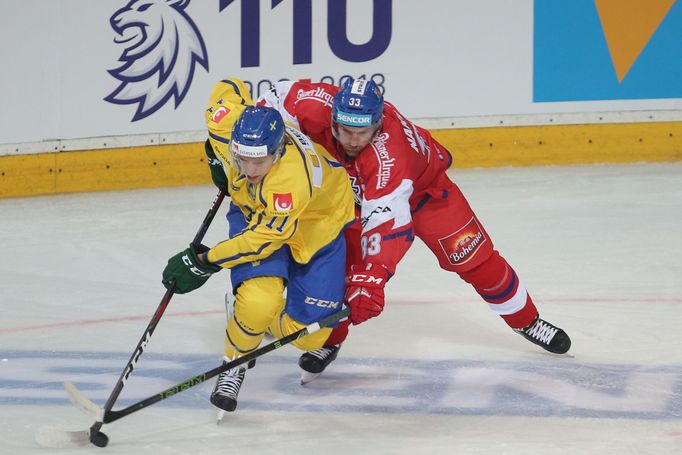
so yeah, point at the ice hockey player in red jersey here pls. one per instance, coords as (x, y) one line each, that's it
(398, 173)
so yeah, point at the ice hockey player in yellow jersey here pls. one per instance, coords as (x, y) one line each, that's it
(290, 203)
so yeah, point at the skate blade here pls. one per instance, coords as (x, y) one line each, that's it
(221, 414)
(307, 377)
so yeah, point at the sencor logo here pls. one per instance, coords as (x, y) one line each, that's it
(354, 120)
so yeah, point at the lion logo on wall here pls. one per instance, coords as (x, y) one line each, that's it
(162, 48)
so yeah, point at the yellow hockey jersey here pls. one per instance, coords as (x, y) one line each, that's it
(304, 201)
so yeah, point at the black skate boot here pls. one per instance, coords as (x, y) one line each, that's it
(226, 389)
(314, 362)
(547, 336)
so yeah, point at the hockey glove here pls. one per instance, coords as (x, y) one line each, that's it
(187, 271)
(216, 166)
(365, 291)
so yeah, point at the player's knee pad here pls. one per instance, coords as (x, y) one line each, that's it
(258, 302)
(497, 283)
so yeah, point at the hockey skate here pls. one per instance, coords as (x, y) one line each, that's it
(547, 336)
(314, 362)
(224, 395)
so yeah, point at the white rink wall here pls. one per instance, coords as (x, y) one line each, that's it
(76, 73)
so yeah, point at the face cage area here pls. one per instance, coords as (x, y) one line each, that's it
(234, 162)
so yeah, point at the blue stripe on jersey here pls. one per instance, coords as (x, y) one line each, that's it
(504, 293)
(241, 255)
(260, 191)
(252, 228)
(421, 203)
(260, 220)
(247, 228)
(333, 163)
(407, 233)
(224, 140)
(236, 89)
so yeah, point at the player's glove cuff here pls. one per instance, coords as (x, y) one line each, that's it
(367, 275)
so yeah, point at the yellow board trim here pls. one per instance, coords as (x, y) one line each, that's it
(185, 164)
(103, 170)
(563, 144)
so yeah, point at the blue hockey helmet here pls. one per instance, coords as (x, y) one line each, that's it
(358, 103)
(258, 132)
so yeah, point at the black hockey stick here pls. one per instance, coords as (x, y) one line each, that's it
(109, 415)
(95, 436)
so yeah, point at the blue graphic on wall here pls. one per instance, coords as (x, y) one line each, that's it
(302, 39)
(587, 50)
(162, 46)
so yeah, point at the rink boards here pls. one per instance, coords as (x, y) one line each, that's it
(102, 169)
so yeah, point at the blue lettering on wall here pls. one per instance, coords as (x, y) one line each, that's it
(303, 31)
(338, 37)
(337, 32)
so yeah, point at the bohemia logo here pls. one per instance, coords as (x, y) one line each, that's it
(461, 246)
(163, 45)
(283, 202)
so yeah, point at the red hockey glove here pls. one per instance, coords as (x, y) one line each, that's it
(365, 291)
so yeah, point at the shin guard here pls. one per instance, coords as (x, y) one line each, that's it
(497, 283)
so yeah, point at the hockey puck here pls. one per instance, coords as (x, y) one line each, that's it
(99, 439)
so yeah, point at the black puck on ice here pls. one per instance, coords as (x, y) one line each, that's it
(99, 439)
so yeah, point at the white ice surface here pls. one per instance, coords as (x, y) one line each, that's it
(598, 247)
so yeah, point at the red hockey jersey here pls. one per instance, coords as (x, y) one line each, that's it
(392, 177)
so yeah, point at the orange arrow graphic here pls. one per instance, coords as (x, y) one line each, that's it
(628, 26)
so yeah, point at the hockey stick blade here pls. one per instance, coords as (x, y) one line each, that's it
(82, 402)
(55, 438)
